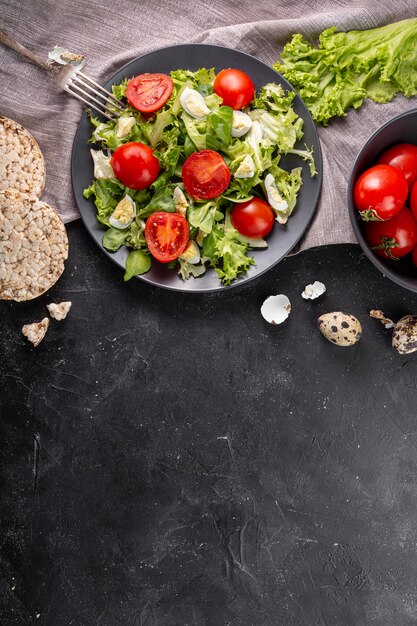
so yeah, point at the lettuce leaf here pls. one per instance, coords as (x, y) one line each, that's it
(346, 68)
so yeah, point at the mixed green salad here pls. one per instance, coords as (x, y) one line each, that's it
(190, 173)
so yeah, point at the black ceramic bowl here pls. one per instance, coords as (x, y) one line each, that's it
(401, 129)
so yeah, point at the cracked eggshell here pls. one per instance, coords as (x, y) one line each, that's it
(313, 291)
(276, 309)
(404, 336)
(340, 328)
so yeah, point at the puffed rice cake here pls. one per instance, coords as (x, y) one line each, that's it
(22, 166)
(33, 246)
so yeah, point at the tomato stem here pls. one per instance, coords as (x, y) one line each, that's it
(387, 244)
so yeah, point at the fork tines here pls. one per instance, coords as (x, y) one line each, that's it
(88, 91)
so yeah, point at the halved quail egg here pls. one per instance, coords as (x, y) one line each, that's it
(193, 103)
(180, 201)
(124, 213)
(275, 200)
(241, 124)
(246, 168)
(313, 291)
(191, 253)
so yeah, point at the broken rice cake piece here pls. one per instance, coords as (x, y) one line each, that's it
(36, 332)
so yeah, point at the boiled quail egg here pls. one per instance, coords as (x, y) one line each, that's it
(246, 168)
(180, 201)
(275, 200)
(241, 123)
(191, 253)
(102, 167)
(124, 126)
(124, 213)
(193, 103)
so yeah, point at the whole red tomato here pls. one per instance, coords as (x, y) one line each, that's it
(393, 238)
(380, 192)
(234, 87)
(404, 157)
(135, 165)
(253, 219)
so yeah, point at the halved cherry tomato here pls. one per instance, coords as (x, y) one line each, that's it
(253, 219)
(235, 87)
(166, 235)
(413, 201)
(380, 192)
(403, 156)
(149, 92)
(205, 174)
(135, 165)
(393, 238)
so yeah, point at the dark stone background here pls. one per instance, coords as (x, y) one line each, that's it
(173, 460)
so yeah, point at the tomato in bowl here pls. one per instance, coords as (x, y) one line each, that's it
(382, 148)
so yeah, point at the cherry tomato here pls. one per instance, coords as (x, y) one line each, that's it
(253, 219)
(393, 238)
(135, 165)
(205, 174)
(413, 201)
(235, 87)
(149, 92)
(166, 235)
(403, 156)
(380, 192)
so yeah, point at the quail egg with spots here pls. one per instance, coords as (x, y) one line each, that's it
(193, 103)
(340, 328)
(124, 213)
(404, 336)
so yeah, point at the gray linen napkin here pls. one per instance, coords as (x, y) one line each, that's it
(111, 34)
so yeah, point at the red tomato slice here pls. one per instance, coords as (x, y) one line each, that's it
(167, 235)
(403, 156)
(234, 87)
(149, 92)
(253, 219)
(380, 192)
(135, 165)
(393, 238)
(205, 174)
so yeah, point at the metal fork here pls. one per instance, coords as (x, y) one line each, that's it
(72, 81)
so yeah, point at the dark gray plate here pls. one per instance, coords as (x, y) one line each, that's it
(401, 129)
(193, 56)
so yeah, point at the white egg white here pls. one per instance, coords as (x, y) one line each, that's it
(191, 253)
(241, 124)
(193, 103)
(124, 213)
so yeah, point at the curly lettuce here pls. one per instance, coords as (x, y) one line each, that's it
(346, 68)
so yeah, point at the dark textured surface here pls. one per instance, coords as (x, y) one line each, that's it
(173, 460)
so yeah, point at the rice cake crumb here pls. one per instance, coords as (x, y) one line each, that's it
(59, 311)
(36, 332)
(22, 166)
